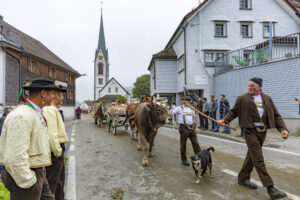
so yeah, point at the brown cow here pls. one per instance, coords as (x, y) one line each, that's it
(100, 114)
(131, 108)
(148, 118)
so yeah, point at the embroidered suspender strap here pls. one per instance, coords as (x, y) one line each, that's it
(28, 104)
(183, 115)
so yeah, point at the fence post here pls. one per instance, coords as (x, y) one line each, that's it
(271, 42)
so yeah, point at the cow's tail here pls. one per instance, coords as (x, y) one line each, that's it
(211, 149)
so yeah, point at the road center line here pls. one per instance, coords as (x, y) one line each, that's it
(71, 185)
(72, 147)
(232, 173)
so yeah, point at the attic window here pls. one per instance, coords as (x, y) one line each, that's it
(245, 4)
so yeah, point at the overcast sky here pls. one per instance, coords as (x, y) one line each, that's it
(134, 30)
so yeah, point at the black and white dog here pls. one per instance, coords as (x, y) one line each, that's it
(200, 161)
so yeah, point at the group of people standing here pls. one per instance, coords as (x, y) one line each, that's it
(256, 112)
(210, 109)
(32, 144)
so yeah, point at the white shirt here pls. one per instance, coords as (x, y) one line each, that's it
(259, 105)
(38, 109)
(189, 115)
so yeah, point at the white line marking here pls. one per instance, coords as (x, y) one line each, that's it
(243, 144)
(72, 147)
(72, 139)
(290, 196)
(71, 185)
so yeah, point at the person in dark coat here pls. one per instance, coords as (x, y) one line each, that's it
(257, 113)
(6, 110)
(221, 110)
(226, 109)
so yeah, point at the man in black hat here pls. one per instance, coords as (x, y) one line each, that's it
(187, 128)
(257, 113)
(24, 145)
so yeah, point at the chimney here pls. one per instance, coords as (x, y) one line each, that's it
(1, 18)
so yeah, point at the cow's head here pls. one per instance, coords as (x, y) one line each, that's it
(159, 114)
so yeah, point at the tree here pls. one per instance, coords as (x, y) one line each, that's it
(142, 86)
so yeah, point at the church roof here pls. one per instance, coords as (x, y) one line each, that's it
(101, 41)
(35, 48)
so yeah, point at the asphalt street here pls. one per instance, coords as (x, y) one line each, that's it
(106, 166)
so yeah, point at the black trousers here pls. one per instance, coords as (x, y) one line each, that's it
(254, 158)
(201, 121)
(205, 121)
(185, 134)
(56, 175)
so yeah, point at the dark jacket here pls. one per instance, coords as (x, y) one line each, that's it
(213, 106)
(2, 119)
(246, 110)
(200, 105)
(221, 107)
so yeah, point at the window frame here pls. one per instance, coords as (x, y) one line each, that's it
(250, 29)
(116, 90)
(100, 64)
(249, 3)
(224, 25)
(52, 69)
(180, 63)
(109, 90)
(263, 29)
(100, 82)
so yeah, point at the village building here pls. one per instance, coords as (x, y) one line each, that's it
(208, 32)
(25, 58)
(113, 90)
(105, 88)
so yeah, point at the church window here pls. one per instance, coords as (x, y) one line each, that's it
(116, 90)
(100, 68)
(100, 81)
(109, 90)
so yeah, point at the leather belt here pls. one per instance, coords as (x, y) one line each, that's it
(190, 127)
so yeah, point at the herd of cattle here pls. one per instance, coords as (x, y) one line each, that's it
(143, 118)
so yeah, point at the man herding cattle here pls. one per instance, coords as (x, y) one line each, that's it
(257, 113)
(188, 128)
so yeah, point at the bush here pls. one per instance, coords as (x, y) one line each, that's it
(4, 193)
(121, 100)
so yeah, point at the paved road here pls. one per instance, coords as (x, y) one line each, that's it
(109, 166)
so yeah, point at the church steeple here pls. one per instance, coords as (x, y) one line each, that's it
(101, 38)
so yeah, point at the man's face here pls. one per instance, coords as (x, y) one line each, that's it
(222, 98)
(47, 96)
(184, 101)
(211, 98)
(59, 98)
(253, 87)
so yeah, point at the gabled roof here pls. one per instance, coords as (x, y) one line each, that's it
(169, 52)
(117, 83)
(111, 97)
(35, 48)
(101, 41)
(293, 7)
(89, 103)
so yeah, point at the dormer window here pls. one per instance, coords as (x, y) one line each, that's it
(245, 4)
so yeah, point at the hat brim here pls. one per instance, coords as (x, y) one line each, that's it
(40, 88)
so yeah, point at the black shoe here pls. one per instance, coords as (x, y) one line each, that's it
(275, 193)
(248, 184)
(186, 163)
(204, 129)
(216, 130)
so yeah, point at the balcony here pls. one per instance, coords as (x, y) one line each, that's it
(279, 48)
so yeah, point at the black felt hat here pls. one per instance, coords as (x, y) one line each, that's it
(41, 84)
(257, 80)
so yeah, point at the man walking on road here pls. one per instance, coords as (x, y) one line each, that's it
(205, 111)
(24, 145)
(213, 107)
(221, 110)
(257, 113)
(187, 128)
(57, 138)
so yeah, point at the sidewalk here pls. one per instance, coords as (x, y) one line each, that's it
(273, 140)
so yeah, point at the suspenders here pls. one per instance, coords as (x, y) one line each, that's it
(184, 114)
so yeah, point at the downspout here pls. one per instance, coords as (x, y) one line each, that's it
(19, 62)
(184, 35)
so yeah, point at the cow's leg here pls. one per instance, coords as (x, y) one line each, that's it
(143, 142)
(131, 124)
(151, 143)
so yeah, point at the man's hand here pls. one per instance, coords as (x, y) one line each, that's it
(221, 122)
(285, 134)
(197, 130)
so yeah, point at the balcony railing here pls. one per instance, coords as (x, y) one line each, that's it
(280, 48)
